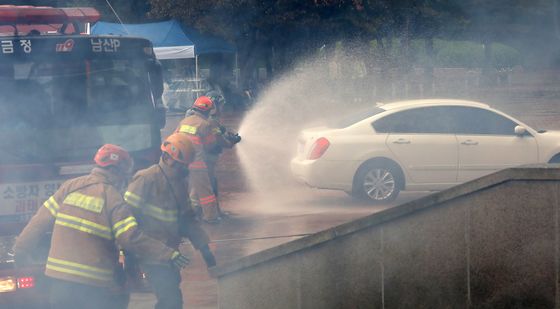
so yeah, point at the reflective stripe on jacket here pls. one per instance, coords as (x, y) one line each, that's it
(89, 221)
(207, 136)
(198, 165)
(199, 130)
(159, 198)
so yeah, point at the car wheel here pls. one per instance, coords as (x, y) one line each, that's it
(377, 183)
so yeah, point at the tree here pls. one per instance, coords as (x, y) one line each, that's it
(271, 30)
(526, 25)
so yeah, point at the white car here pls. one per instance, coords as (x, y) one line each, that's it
(419, 145)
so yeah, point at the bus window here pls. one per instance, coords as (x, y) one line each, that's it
(41, 100)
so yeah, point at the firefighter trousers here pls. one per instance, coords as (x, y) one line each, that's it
(212, 176)
(165, 281)
(71, 295)
(202, 194)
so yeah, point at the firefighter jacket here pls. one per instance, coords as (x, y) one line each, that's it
(160, 201)
(89, 220)
(221, 142)
(200, 131)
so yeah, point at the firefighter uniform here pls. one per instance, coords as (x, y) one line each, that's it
(199, 130)
(88, 219)
(161, 204)
(213, 154)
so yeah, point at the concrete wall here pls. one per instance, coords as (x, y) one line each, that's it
(490, 243)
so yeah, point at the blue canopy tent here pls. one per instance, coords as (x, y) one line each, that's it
(171, 40)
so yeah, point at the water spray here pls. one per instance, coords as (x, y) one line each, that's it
(308, 96)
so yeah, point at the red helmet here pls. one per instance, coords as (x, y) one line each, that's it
(203, 104)
(179, 147)
(110, 154)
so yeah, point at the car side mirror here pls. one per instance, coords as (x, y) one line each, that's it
(520, 130)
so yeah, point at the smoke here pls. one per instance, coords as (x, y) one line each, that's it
(320, 91)
(314, 94)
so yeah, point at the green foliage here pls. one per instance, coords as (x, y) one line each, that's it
(471, 55)
(504, 56)
(293, 28)
(460, 54)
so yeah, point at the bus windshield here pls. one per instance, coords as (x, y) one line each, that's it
(62, 109)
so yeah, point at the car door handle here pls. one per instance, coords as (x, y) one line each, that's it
(469, 143)
(401, 141)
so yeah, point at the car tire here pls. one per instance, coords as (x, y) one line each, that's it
(377, 183)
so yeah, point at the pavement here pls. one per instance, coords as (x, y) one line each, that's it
(254, 227)
(260, 222)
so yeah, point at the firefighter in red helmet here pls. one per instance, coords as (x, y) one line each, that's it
(90, 222)
(199, 129)
(224, 139)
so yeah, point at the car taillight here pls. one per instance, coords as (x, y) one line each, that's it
(10, 284)
(26, 282)
(7, 284)
(318, 149)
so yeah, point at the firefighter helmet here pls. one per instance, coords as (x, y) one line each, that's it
(179, 147)
(113, 155)
(203, 104)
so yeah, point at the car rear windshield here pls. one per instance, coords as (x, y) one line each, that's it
(354, 117)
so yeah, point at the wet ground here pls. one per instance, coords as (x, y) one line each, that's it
(260, 222)
(254, 227)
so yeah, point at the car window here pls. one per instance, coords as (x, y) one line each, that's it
(472, 120)
(435, 120)
(354, 117)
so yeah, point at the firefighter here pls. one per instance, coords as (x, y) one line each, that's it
(160, 200)
(197, 127)
(224, 139)
(90, 221)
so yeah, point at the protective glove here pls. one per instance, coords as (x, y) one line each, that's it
(208, 257)
(233, 137)
(236, 138)
(178, 260)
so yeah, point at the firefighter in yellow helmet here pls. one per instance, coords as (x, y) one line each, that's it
(90, 221)
(159, 197)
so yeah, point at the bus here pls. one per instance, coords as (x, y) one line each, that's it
(63, 94)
